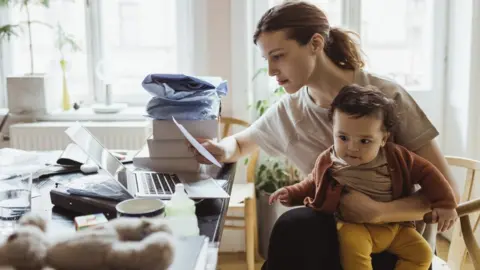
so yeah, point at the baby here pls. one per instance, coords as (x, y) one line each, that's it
(362, 159)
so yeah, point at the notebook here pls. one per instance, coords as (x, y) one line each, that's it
(84, 205)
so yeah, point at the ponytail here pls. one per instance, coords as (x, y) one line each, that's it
(342, 49)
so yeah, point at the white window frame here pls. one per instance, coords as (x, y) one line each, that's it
(430, 100)
(94, 47)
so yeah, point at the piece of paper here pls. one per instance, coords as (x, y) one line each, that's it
(204, 152)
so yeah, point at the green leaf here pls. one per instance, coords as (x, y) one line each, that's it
(245, 162)
(259, 103)
(279, 174)
(4, 2)
(41, 23)
(260, 71)
(64, 39)
(9, 30)
(262, 110)
(45, 3)
(279, 91)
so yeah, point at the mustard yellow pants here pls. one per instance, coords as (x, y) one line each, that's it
(358, 241)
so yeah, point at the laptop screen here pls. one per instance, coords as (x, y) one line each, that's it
(100, 155)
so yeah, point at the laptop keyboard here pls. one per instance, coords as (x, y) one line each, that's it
(159, 183)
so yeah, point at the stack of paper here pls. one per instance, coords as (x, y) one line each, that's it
(167, 149)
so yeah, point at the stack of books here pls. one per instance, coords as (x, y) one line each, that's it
(167, 149)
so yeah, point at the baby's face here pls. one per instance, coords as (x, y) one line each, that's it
(357, 140)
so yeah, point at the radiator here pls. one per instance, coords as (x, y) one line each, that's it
(42, 136)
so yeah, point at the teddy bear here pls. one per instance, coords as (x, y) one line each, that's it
(122, 244)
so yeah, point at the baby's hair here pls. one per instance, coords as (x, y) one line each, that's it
(359, 101)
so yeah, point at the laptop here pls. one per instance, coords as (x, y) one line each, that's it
(144, 183)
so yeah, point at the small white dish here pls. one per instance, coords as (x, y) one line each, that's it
(112, 108)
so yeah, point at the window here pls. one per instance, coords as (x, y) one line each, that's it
(333, 9)
(71, 16)
(46, 57)
(399, 40)
(398, 37)
(121, 42)
(138, 38)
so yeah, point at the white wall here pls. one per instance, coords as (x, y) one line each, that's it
(222, 47)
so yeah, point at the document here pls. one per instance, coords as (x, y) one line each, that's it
(196, 144)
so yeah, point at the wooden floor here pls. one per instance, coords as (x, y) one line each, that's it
(236, 261)
(442, 250)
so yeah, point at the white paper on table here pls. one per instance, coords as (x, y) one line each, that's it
(204, 152)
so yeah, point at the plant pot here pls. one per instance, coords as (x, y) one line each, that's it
(32, 94)
(267, 215)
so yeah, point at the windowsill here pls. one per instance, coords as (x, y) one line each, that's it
(87, 114)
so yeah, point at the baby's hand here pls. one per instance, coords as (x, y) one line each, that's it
(446, 218)
(281, 195)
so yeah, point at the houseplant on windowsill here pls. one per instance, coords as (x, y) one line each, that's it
(26, 92)
(271, 174)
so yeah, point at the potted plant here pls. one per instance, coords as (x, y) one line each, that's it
(26, 92)
(271, 174)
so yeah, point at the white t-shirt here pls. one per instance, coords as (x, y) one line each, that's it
(299, 129)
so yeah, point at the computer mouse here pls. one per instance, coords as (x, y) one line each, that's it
(89, 168)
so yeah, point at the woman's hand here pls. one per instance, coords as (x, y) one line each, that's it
(281, 195)
(213, 147)
(357, 207)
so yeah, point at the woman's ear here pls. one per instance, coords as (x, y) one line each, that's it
(317, 42)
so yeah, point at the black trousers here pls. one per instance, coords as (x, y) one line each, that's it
(305, 239)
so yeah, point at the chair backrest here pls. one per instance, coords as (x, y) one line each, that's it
(228, 123)
(463, 234)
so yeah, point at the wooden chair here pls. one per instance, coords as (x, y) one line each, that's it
(463, 238)
(243, 198)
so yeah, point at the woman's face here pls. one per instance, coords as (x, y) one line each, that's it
(290, 63)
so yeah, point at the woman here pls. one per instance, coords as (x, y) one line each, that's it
(313, 61)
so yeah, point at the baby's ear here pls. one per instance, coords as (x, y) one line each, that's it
(386, 135)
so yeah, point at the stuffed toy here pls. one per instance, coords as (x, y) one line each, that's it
(122, 243)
